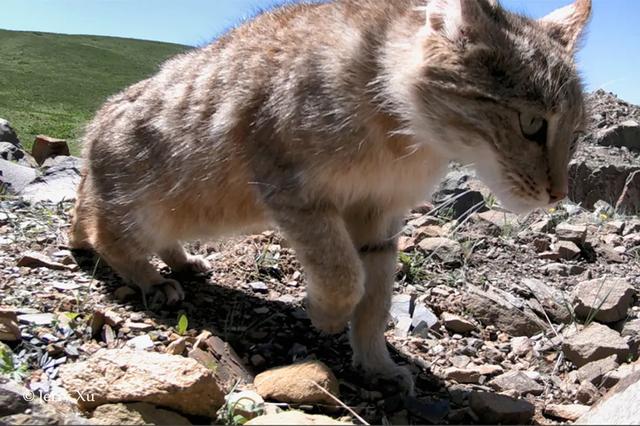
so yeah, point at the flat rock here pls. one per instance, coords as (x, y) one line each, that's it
(122, 375)
(618, 407)
(566, 250)
(605, 300)
(39, 260)
(444, 249)
(297, 384)
(503, 310)
(516, 381)
(9, 330)
(14, 178)
(500, 219)
(36, 319)
(462, 375)
(594, 343)
(494, 408)
(595, 371)
(294, 418)
(575, 233)
(59, 181)
(137, 413)
(569, 412)
(457, 324)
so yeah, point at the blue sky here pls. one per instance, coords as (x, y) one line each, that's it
(609, 60)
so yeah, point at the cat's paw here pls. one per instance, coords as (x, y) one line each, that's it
(166, 292)
(196, 265)
(389, 375)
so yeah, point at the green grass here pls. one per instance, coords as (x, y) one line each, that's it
(52, 83)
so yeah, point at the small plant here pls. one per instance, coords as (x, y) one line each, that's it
(183, 324)
(413, 267)
(9, 366)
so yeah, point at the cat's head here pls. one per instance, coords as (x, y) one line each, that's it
(501, 91)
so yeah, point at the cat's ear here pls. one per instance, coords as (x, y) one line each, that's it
(566, 25)
(457, 18)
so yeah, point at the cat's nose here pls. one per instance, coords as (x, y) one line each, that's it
(556, 195)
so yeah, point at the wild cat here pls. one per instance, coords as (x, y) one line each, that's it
(331, 121)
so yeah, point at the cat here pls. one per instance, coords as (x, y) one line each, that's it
(331, 120)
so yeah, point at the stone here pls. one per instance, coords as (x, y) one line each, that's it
(516, 381)
(457, 324)
(577, 234)
(593, 343)
(141, 343)
(37, 319)
(294, 418)
(139, 413)
(177, 347)
(612, 378)
(566, 250)
(38, 260)
(11, 152)
(521, 346)
(618, 407)
(248, 404)
(298, 384)
(629, 201)
(423, 318)
(123, 375)
(45, 147)
(59, 181)
(553, 301)
(12, 402)
(494, 408)
(503, 310)
(259, 287)
(592, 180)
(9, 330)
(462, 375)
(500, 219)
(595, 371)
(460, 361)
(587, 393)
(489, 369)
(455, 198)
(570, 412)
(606, 300)
(614, 227)
(625, 134)
(8, 134)
(446, 250)
(14, 177)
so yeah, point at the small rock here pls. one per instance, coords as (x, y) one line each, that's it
(14, 177)
(138, 326)
(587, 393)
(9, 330)
(444, 249)
(295, 384)
(593, 343)
(462, 375)
(423, 318)
(36, 319)
(577, 234)
(8, 134)
(521, 346)
(259, 287)
(500, 219)
(177, 347)
(606, 299)
(12, 402)
(571, 412)
(141, 343)
(595, 371)
(553, 301)
(493, 408)
(135, 414)
(566, 250)
(122, 375)
(457, 324)
(614, 227)
(516, 381)
(489, 370)
(294, 418)
(45, 147)
(612, 378)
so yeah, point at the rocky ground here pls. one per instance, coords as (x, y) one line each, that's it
(501, 319)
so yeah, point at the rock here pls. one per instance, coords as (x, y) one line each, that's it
(14, 178)
(59, 181)
(177, 347)
(615, 227)
(38, 260)
(489, 370)
(563, 269)
(141, 343)
(619, 406)
(571, 412)
(500, 219)
(295, 384)
(294, 418)
(577, 234)
(446, 250)
(632, 227)
(259, 287)
(138, 413)
(45, 147)
(248, 404)
(595, 371)
(587, 393)
(629, 201)
(7, 134)
(501, 309)
(455, 198)
(612, 378)
(12, 402)
(603, 178)
(400, 312)
(594, 343)
(460, 361)
(457, 324)
(605, 300)
(521, 346)
(36, 319)
(462, 375)
(566, 250)
(9, 330)
(553, 301)
(625, 134)
(423, 318)
(493, 408)
(516, 381)
(11, 152)
(122, 375)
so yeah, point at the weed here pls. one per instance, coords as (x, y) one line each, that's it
(10, 367)
(183, 324)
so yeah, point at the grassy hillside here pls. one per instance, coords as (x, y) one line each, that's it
(53, 83)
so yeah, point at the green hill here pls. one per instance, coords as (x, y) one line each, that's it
(53, 83)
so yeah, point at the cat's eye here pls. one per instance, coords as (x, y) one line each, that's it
(534, 128)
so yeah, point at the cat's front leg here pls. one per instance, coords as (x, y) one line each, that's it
(375, 233)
